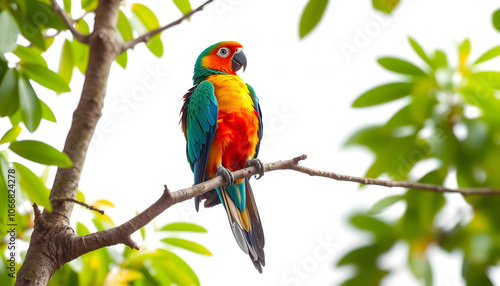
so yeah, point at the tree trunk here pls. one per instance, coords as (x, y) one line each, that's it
(49, 243)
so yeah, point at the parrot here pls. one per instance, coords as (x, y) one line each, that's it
(222, 123)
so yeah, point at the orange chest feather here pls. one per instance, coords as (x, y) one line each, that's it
(237, 126)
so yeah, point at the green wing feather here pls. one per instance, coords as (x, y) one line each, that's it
(201, 113)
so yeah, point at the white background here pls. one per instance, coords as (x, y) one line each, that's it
(306, 88)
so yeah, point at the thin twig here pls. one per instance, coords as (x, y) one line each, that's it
(145, 38)
(63, 199)
(76, 34)
(391, 184)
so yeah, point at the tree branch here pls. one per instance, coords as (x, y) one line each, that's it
(391, 184)
(145, 38)
(122, 233)
(76, 34)
(63, 199)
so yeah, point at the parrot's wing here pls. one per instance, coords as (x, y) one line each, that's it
(259, 113)
(200, 116)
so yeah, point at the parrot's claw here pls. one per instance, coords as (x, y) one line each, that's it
(257, 164)
(226, 174)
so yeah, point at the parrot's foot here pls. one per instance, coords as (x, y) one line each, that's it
(257, 164)
(226, 174)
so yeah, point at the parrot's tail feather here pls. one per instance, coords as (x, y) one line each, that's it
(246, 226)
(197, 203)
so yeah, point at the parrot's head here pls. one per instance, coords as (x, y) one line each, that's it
(221, 58)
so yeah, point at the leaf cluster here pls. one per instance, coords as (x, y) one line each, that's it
(450, 117)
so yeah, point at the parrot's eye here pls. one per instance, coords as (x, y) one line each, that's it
(223, 52)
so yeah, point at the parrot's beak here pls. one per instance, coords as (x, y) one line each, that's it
(239, 60)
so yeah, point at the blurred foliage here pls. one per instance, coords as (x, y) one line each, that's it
(450, 115)
(311, 16)
(315, 9)
(496, 20)
(27, 31)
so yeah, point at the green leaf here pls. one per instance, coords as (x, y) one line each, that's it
(384, 93)
(418, 49)
(186, 244)
(102, 222)
(8, 32)
(385, 6)
(31, 32)
(363, 255)
(33, 186)
(29, 55)
(40, 152)
(3, 68)
(440, 59)
(81, 51)
(66, 62)
(183, 226)
(47, 113)
(81, 229)
(41, 14)
(67, 5)
(183, 5)
(490, 79)
(400, 66)
(31, 110)
(15, 119)
(45, 77)
(89, 5)
(122, 59)
(384, 203)
(146, 16)
(178, 270)
(475, 274)
(125, 34)
(464, 50)
(490, 54)
(9, 93)
(148, 19)
(4, 169)
(422, 207)
(45, 175)
(420, 267)
(311, 16)
(379, 228)
(155, 46)
(80, 196)
(496, 20)
(11, 135)
(124, 27)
